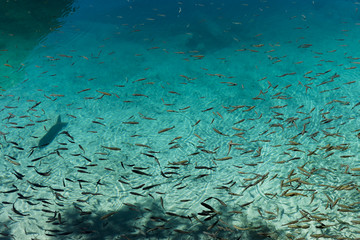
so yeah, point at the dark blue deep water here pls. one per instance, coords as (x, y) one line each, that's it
(140, 119)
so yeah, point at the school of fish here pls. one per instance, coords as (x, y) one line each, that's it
(192, 155)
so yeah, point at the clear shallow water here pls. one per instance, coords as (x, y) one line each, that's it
(274, 85)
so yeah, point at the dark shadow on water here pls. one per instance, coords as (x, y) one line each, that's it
(23, 25)
(207, 36)
(150, 221)
(5, 231)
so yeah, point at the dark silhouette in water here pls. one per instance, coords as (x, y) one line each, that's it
(52, 133)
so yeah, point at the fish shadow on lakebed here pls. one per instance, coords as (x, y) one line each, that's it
(52, 133)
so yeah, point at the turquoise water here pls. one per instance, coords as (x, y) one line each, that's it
(185, 120)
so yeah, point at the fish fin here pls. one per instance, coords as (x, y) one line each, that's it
(58, 121)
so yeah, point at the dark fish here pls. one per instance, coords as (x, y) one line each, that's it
(140, 172)
(201, 175)
(355, 105)
(56, 189)
(163, 174)
(87, 159)
(36, 184)
(34, 106)
(213, 225)
(210, 217)
(69, 180)
(17, 212)
(65, 233)
(67, 134)
(37, 159)
(11, 191)
(137, 194)
(31, 152)
(208, 206)
(123, 181)
(18, 175)
(107, 215)
(149, 187)
(179, 188)
(112, 148)
(204, 167)
(52, 133)
(306, 45)
(46, 174)
(59, 218)
(138, 186)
